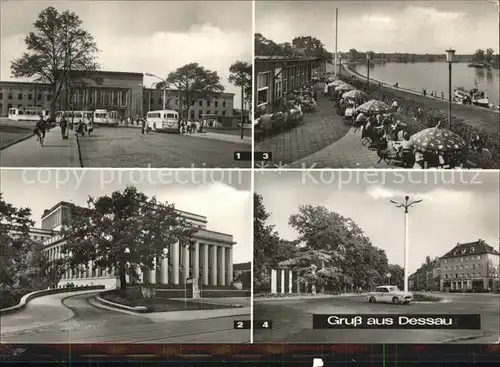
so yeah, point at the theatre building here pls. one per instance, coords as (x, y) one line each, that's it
(210, 259)
(470, 267)
(276, 76)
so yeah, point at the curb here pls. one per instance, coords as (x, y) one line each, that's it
(17, 141)
(201, 301)
(136, 309)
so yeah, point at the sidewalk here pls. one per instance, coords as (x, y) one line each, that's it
(56, 152)
(223, 301)
(226, 137)
(303, 297)
(157, 317)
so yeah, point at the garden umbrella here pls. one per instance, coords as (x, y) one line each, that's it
(356, 95)
(374, 107)
(344, 88)
(336, 83)
(437, 140)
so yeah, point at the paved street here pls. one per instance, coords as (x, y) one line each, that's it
(53, 319)
(123, 147)
(292, 320)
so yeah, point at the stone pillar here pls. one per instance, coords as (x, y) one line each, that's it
(206, 265)
(274, 281)
(222, 267)
(282, 290)
(290, 281)
(229, 265)
(89, 269)
(175, 263)
(164, 270)
(213, 281)
(185, 263)
(196, 260)
(152, 273)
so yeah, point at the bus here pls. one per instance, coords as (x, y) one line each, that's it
(103, 117)
(163, 120)
(74, 116)
(28, 114)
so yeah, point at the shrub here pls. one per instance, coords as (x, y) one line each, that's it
(420, 297)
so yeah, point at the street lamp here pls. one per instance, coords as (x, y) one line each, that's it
(164, 88)
(449, 59)
(368, 58)
(406, 205)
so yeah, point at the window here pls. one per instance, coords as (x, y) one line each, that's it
(208, 103)
(9, 106)
(191, 115)
(263, 80)
(160, 100)
(223, 113)
(30, 96)
(200, 103)
(1, 95)
(216, 104)
(49, 97)
(224, 104)
(20, 96)
(9, 96)
(199, 114)
(39, 95)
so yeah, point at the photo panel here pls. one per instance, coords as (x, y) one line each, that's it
(126, 256)
(160, 94)
(357, 84)
(376, 257)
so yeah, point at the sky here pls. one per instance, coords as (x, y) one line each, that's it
(224, 197)
(456, 207)
(384, 26)
(146, 37)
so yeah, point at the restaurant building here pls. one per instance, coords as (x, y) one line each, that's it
(123, 92)
(472, 266)
(276, 76)
(210, 259)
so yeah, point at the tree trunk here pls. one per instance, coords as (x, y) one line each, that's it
(123, 277)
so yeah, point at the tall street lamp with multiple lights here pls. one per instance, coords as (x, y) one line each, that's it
(406, 205)
(449, 59)
(164, 88)
(368, 58)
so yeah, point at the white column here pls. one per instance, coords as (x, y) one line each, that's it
(89, 269)
(185, 263)
(196, 260)
(213, 281)
(175, 263)
(229, 265)
(140, 274)
(290, 281)
(222, 268)
(206, 264)
(152, 273)
(282, 290)
(274, 281)
(164, 270)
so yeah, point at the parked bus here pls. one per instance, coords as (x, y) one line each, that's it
(103, 117)
(28, 114)
(74, 116)
(163, 120)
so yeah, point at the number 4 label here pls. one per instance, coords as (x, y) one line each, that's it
(318, 362)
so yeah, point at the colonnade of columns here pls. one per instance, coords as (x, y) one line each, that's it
(213, 264)
(284, 281)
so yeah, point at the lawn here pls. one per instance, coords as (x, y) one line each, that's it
(134, 298)
(11, 133)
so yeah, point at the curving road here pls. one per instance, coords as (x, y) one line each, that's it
(79, 319)
(292, 320)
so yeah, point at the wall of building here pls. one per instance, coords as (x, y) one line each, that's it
(467, 269)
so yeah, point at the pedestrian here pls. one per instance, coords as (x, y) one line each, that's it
(64, 126)
(90, 128)
(39, 130)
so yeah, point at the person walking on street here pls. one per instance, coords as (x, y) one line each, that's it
(64, 126)
(90, 128)
(144, 128)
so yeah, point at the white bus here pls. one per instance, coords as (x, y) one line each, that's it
(163, 120)
(74, 116)
(103, 117)
(28, 114)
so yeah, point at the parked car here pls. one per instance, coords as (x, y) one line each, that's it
(389, 294)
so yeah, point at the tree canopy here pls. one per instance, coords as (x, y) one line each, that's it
(123, 228)
(241, 76)
(57, 46)
(300, 46)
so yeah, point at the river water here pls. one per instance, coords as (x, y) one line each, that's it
(434, 76)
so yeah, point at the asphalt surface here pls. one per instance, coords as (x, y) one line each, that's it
(83, 322)
(127, 147)
(292, 320)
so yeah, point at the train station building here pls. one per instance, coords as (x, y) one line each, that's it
(123, 92)
(210, 259)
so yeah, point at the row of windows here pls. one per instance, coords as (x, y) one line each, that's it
(451, 267)
(176, 101)
(462, 275)
(461, 259)
(39, 97)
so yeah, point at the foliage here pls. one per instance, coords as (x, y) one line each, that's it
(300, 46)
(121, 229)
(241, 76)
(193, 82)
(58, 46)
(420, 297)
(22, 262)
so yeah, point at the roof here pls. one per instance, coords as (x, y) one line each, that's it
(285, 58)
(470, 248)
(61, 203)
(242, 266)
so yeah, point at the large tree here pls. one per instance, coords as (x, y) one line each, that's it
(241, 76)
(311, 47)
(123, 229)
(193, 82)
(22, 264)
(57, 46)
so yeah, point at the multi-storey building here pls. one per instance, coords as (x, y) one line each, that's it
(210, 259)
(109, 90)
(472, 266)
(427, 277)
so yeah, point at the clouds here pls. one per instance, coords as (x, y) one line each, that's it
(146, 37)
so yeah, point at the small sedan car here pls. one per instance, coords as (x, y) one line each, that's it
(389, 294)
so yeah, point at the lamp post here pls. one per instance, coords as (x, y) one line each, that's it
(368, 58)
(449, 59)
(406, 205)
(164, 88)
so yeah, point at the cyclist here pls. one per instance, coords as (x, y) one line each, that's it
(40, 128)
